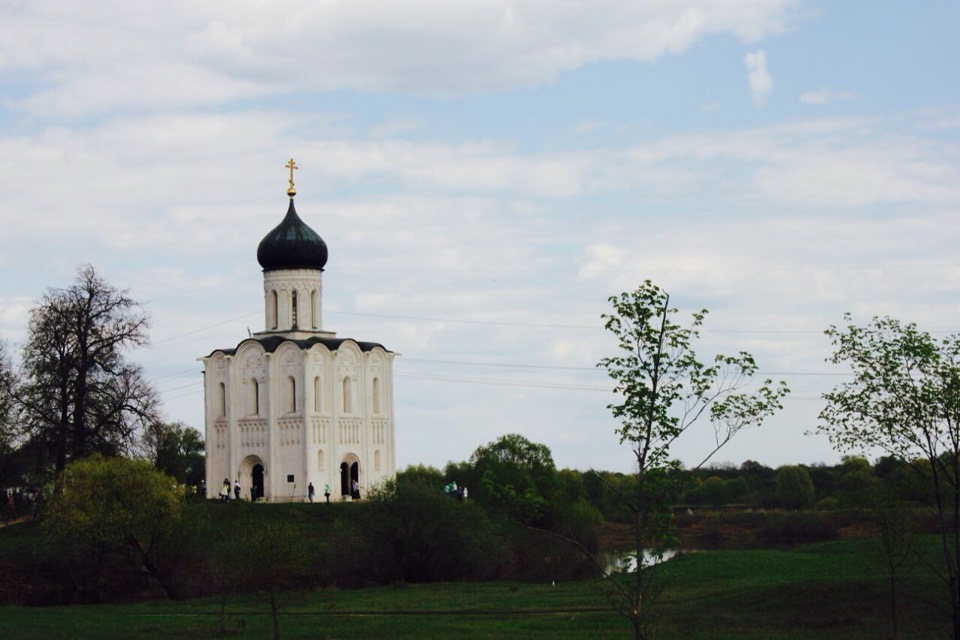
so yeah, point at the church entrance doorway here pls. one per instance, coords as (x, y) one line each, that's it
(349, 474)
(256, 488)
(252, 476)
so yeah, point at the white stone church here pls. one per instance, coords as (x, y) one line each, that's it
(294, 404)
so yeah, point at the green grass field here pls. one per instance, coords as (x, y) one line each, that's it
(822, 591)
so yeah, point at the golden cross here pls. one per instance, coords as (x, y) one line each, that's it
(291, 191)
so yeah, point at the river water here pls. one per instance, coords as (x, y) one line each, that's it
(627, 562)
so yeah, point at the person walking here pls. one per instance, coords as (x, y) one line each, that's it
(236, 488)
(225, 491)
(326, 492)
(310, 492)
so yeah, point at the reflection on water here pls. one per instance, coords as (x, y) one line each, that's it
(626, 562)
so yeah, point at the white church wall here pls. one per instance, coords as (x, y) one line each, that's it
(286, 386)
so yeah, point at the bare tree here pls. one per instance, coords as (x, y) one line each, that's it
(80, 395)
(9, 433)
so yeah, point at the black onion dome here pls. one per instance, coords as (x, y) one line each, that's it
(292, 245)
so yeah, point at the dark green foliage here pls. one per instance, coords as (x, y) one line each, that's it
(794, 487)
(178, 451)
(113, 509)
(579, 520)
(423, 474)
(798, 527)
(421, 534)
(713, 491)
(518, 477)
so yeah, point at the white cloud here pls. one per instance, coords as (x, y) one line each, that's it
(825, 96)
(761, 82)
(600, 258)
(191, 53)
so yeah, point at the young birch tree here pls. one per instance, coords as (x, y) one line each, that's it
(904, 399)
(663, 390)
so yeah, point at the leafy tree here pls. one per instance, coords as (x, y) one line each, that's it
(570, 483)
(276, 557)
(913, 483)
(80, 395)
(664, 390)
(120, 506)
(177, 450)
(824, 480)
(423, 474)
(856, 481)
(419, 534)
(794, 487)
(895, 536)
(760, 481)
(714, 491)
(516, 475)
(905, 400)
(602, 490)
(737, 490)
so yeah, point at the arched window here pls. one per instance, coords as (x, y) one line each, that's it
(291, 395)
(321, 462)
(376, 460)
(317, 395)
(347, 404)
(293, 309)
(274, 309)
(376, 395)
(222, 400)
(314, 315)
(254, 397)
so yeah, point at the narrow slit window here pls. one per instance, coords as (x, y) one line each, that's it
(274, 309)
(347, 408)
(292, 397)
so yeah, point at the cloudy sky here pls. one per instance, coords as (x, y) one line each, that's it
(486, 173)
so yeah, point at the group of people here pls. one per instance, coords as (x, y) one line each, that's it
(225, 490)
(14, 497)
(454, 491)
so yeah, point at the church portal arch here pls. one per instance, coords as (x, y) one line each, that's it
(253, 478)
(349, 474)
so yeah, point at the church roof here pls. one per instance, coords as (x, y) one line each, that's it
(292, 245)
(271, 343)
